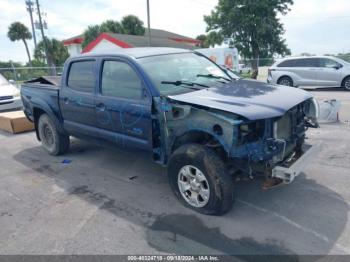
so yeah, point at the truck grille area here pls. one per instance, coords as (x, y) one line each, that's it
(291, 128)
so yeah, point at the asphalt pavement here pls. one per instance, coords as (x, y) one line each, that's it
(96, 200)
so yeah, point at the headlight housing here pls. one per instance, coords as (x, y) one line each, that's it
(312, 111)
(16, 93)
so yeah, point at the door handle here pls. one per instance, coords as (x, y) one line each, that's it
(66, 100)
(101, 107)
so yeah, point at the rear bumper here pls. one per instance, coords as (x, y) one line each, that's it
(290, 169)
(10, 104)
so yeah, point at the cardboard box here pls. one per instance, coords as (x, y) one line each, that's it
(15, 122)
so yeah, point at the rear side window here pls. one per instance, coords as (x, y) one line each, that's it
(287, 63)
(120, 80)
(81, 76)
(307, 62)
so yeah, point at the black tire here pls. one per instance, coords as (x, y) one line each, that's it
(52, 140)
(346, 83)
(221, 196)
(285, 81)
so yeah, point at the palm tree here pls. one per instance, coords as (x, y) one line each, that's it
(18, 31)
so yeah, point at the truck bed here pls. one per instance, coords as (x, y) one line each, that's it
(41, 92)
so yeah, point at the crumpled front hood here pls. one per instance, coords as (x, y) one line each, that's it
(248, 98)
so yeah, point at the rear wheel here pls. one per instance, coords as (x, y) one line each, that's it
(346, 83)
(52, 140)
(200, 180)
(285, 81)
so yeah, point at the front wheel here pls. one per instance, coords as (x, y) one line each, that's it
(199, 179)
(346, 83)
(52, 140)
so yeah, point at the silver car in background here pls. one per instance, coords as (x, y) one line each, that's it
(9, 96)
(315, 71)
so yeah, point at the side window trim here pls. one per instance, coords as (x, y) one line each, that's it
(68, 74)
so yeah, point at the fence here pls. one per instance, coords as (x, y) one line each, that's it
(21, 74)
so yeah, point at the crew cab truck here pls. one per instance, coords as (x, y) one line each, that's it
(204, 124)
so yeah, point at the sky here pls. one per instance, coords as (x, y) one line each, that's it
(312, 26)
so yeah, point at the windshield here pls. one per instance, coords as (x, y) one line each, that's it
(173, 73)
(3, 81)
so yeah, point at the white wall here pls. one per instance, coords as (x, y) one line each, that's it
(104, 46)
(74, 49)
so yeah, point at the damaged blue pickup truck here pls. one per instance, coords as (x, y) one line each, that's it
(206, 125)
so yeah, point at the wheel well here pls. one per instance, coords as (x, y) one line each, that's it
(37, 112)
(202, 138)
(342, 82)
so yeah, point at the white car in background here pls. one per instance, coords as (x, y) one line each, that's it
(315, 71)
(9, 96)
(244, 69)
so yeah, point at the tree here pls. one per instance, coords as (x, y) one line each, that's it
(210, 40)
(90, 34)
(203, 39)
(254, 26)
(18, 31)
(55, 49)
(132, 25)
(214, 38)
(111, 26)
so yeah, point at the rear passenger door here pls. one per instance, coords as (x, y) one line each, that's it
(307, 69)
(77, 98)
(123, 105)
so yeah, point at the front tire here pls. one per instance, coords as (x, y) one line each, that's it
(200, 180)
(346, 83)
(54, 142)
(285, 81)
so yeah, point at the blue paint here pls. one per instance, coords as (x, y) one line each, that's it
(66, 161)
(133, 123)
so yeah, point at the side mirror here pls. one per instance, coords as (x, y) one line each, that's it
(338, 66)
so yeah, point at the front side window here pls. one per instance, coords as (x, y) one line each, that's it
(329, 63)
(81, 76)
(182, 68)
(120, 80)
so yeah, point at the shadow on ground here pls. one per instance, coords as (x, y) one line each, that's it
(282, 221)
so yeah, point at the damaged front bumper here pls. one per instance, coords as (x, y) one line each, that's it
(293, 166)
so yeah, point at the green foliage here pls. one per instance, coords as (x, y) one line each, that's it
(210, 40)
(132, 25)
(254, 26)
(111, 26)
(57, 52)
(18, 31)
(203, 39)
(90, 34)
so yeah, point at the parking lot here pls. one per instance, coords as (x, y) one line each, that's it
(107, 201)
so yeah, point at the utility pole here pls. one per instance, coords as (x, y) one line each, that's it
(48, 60)
(149, 25)
(30, 9)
